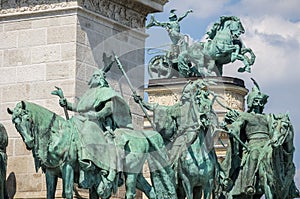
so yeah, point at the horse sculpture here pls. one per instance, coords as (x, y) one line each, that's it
(58, 149)
(3, 161)
(223, 46)
(187, 128)
(278, 170)
(197, 168)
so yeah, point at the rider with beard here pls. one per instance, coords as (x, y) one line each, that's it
(103, 106)
(252, 127)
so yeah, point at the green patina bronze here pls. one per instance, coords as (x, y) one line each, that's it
(95, 147)
(99, 149)
(3, 161)
(222, 46)
(172, 26)
(188, 128)
(260, 157)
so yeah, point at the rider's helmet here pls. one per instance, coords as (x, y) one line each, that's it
(256, 99)
(172, 16)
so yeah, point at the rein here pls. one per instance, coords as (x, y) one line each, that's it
(37, 145)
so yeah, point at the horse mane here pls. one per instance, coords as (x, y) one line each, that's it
(39, 113)
(43, 120)
(220, 25)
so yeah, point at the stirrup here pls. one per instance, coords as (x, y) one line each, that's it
(250, 190)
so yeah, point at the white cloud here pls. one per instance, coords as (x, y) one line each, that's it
(285, 8)
(276, 43)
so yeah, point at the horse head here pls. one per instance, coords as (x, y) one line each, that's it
(234, 25)
(282, 129)
(23, 123)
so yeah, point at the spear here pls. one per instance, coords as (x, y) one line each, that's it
(132, 90)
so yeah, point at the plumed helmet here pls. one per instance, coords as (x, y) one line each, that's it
(256, 94)
(172, 14)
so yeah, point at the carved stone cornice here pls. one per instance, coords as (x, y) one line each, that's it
(125, 13)
(25, 6)
(131, 13)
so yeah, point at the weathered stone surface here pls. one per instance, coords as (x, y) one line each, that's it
(60, 43)
(17, 57)
(31, 73)
(32, 37)
(10, 39)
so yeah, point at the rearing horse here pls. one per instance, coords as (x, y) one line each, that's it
(223, 46)
(58, 147)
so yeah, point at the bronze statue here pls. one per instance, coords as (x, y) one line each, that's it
(257, 144)
(162, 66)
(95, 147)
(187, 128)
(3, 161)
(172, 26)
(200, 59)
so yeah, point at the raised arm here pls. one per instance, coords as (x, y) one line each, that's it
(183, 16)
(146, 105)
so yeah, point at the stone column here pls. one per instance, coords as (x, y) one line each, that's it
(231, 90)
(60, 43)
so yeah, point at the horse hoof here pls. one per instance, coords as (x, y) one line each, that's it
(241, 70)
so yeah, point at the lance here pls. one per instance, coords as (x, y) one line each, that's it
(133, 91)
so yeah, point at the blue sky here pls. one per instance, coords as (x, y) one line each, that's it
(272, 32)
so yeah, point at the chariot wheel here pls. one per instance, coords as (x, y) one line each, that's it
(160, 67)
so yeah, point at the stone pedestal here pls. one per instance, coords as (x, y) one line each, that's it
(60, 43)
(232, 94)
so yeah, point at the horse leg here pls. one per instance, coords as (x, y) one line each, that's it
(207, 191)
(197, 193)
(130, 184)
(93, 193)
(267, 189)
(145, 187)
(236, 51)
(68, 180)
(187, 186)
(51, 182)
(180, 190)
(246, 64)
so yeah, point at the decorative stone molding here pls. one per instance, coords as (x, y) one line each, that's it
(234, 101)
(23, 6)
(166, 99)
(130, 13)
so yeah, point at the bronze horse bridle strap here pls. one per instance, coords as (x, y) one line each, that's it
(47, 131)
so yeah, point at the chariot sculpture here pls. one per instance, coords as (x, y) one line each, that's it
(223, 45)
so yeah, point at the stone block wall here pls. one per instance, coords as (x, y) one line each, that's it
(60, 43)
(34, 59)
